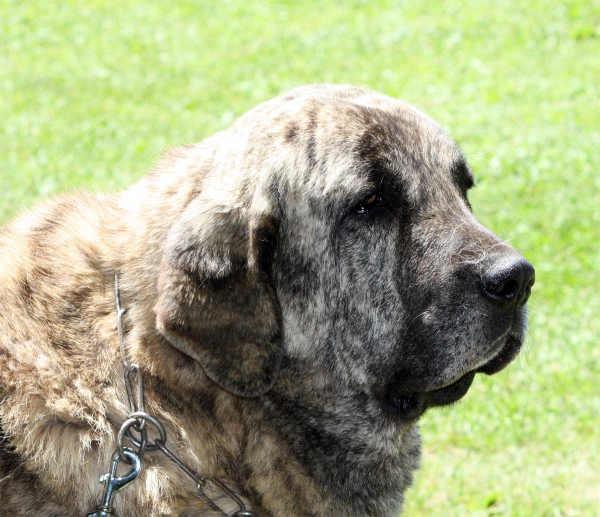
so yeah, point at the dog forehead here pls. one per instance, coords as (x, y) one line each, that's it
(340, 112)
(325, 139)
(343, 133)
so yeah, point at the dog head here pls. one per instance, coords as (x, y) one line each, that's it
(332, 228)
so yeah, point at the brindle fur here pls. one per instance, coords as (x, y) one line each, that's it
(270, 321)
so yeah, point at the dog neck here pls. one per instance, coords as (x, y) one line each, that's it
(295, 443)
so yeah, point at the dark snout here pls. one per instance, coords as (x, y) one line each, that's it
(508, 281)
(474, 321)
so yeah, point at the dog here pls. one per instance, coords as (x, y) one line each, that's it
(299, 289)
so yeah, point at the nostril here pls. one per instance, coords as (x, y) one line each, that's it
(527, 291)
(501, 289)
(508, 289)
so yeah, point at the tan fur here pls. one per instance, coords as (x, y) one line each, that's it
(63, 396)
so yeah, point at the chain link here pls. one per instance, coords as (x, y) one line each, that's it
(136, 422)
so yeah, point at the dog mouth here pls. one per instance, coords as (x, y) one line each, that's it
(411, 406)
(504, 357)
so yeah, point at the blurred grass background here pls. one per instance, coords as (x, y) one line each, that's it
(91, 92)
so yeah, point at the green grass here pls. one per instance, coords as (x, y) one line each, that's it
(91, 92)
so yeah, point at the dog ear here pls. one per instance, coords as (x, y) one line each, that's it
(216, 302)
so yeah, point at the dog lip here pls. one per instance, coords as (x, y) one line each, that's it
(412, 405)
(452, 392)
(449, 383)
(504, 357)
(500, 360)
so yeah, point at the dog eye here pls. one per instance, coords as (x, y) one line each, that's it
(372, 201)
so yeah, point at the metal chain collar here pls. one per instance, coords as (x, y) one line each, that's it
(136, 423)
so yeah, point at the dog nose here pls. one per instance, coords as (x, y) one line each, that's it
(508, 283)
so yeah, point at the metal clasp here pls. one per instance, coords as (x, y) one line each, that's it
(114, 483)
